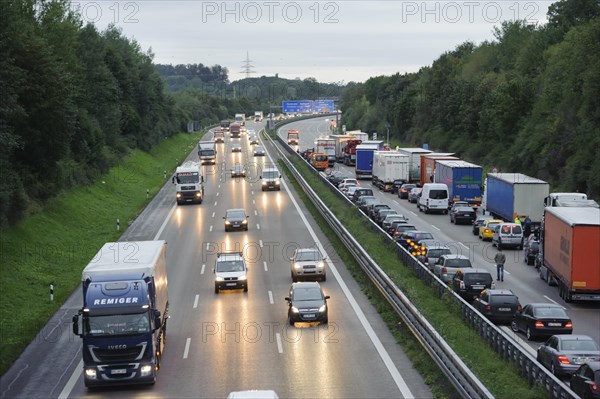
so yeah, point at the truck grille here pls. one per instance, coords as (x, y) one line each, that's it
(188, 188)
(231, 278)
(117, 355)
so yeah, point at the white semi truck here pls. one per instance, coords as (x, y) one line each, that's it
(207, 152)
(189, 183)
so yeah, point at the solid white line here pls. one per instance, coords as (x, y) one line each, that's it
(210, 228)
(261, 243)
(257, 226)
(435, 227)
(553, 301)
(187, 347)
(196, 300)
(213, 215)
(385, 357)
(460, 243)
(413, 213)
(271, 301)
(279, 345)
(203, 267)
(396, 202)
(161, 228)
(73, 380)
(266, 268)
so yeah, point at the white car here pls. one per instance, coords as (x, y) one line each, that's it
(308, 263)
(230, 272)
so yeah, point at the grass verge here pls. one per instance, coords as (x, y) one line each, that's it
(54, 245)
(501, 378)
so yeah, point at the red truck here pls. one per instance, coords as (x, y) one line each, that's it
(569, 250)
(293, 137)
(428, 164)
(350, 152)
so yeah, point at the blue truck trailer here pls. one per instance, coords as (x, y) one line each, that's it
(464, 180)
(123, 320)
(510, 194)
(364, 158)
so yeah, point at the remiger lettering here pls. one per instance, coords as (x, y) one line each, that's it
(115, 301)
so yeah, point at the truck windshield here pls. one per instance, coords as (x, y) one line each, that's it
(187, 178)
(292, 135)
(321, 158)
(271, 174)
(204, 153)
(121, 324)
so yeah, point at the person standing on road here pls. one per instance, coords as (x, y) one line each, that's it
(500, 259)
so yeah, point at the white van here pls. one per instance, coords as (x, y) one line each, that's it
(434, 197)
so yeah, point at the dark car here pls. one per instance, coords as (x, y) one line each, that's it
(364, 206)
(336, 177)
(364, 198)
(499, 306)
(371, 209)
(238, 170)
(236, 147)
(462, 214)
(361, 192)
(411, 238)
(431, 252)
(405, 189)
(563, 354)
(396, 184)
(401, 228)
(478, 222)
(381, 214)
(307, 303)
(469, 282)
(542, 319)
(586, 380)
(531, 249)
(236, 219)
(259, 151)
(387, 222)
(413, 195)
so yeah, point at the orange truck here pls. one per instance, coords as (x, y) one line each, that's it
(319, 160)
(293, 137)
(570, 255)
(428, 164)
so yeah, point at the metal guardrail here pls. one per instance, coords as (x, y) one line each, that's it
(456, 371)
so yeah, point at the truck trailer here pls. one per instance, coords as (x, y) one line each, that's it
(389, 166)
(341, 140)
(241, 119)
(123, 320)
(515, 194)
(414, 162)
(428, 164)
(207, 152)
(326, 145)
(364, 158)
(189, 183)
(569, 250)
(464, 181)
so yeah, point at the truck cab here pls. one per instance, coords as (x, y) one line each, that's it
(235, 129)
(218, 136)
(293, 137)
(241, 119)
(189, 183)
(207, 152)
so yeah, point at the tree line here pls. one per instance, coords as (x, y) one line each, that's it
(528, 101)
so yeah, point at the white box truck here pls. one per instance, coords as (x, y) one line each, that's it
(389, 166)
(414, 163)
(326, 145)
(189, 183)
(207, 152)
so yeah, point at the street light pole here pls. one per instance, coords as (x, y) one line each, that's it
(387, 126)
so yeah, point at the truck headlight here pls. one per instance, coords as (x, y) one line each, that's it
(276, 182)
(90, 373)
(295, 309)
(146, 370)
(264, 183)
(219, 278)
(178, 195)
(198, 194)
(322, 308)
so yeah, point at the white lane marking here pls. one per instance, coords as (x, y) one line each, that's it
(279, 345)
(396, 202)
(385, 357)
(207, 245)
(187, 347)
(253, 202)
(255, 213)
(74, 377)
(213, 215)
(196, 300)
(261, 243)
(217, 193)
(257, 226)
(159, 233)
(553, 301)
(266, 268)
(435, 227)
(460, 243)
(210, 228)
(271, 301)
(413, 213)
(202, 269)
(215, 203)
(219, 184)
(252, 192)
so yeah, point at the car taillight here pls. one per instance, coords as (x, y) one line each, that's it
(487, 308)
(519, 308)
(563, 359)
(444, 270)
(539, 323)
(593, 387)
(396, 233)
(569, 324)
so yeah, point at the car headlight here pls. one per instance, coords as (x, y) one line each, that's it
(198, 194)
(243, 278)
(295, 309)
(244, 221)
(264, 183)
(218, 278)
(322, 308)
(277, 182)
(321, 265)
(227, 222)
(297, 266)
(146, 369)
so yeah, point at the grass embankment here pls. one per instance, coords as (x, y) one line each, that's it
(54, 245)
(501, 378)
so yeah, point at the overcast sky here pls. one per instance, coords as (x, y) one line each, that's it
(332, 41)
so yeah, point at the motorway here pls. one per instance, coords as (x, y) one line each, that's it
(523, 280)
(235, 340)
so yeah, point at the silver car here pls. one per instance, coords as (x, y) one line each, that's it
(308, 263)
(447, 266)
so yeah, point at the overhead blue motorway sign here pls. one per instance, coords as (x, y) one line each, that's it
(290, 107)
(323, 106)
